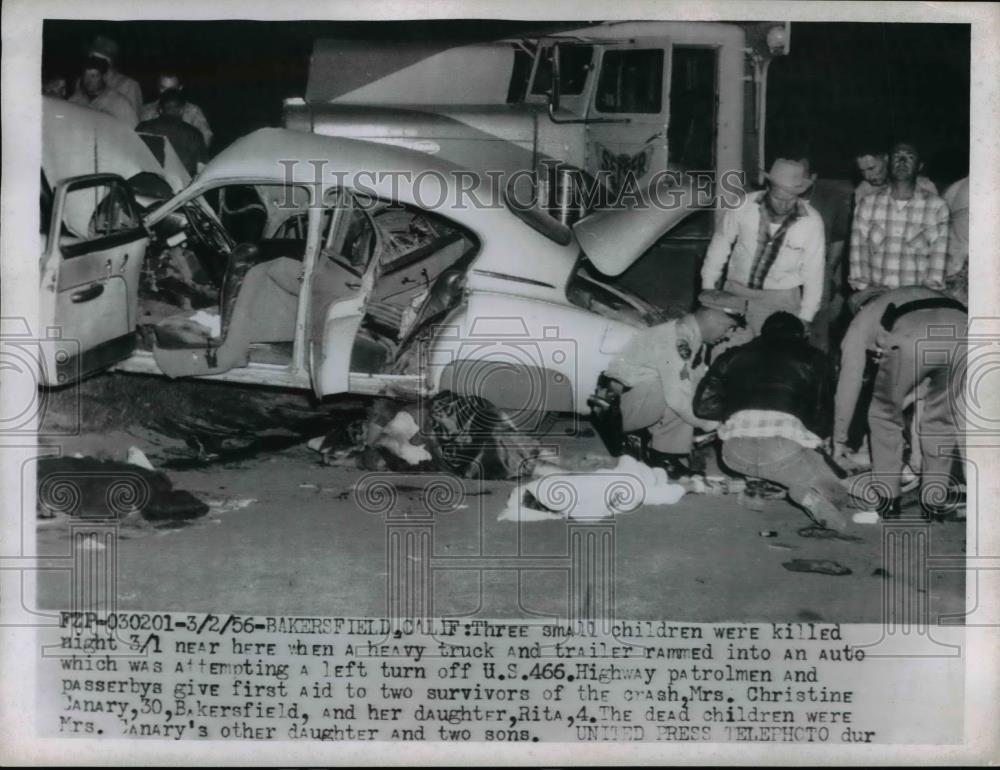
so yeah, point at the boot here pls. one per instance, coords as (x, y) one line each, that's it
(676, 465)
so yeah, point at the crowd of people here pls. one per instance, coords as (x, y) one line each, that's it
(102, 86)
(796, 333)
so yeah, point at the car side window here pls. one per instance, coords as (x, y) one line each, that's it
(351, 240)
(92, 211)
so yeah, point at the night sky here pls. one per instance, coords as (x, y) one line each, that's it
(841, 83)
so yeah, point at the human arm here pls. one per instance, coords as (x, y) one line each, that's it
(719, 250)
(711, 395)
(812, 270)
(938, 257)
(853, 352)
(197, 119)
(860, 269)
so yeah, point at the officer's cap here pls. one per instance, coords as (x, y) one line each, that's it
(724, 301)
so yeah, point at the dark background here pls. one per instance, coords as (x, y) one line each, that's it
(842, 82)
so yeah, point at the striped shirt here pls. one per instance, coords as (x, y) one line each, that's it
(900, 243)
(763, 423)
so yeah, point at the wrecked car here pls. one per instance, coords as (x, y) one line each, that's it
(345, 266)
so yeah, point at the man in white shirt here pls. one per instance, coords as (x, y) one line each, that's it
(774, 248)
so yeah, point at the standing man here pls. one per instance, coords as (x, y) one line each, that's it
(185, 139)
(773, 398)
(773, 245)
(192, 114)
(654, 378)
(916, 335)
(107, 49)
(94, 93)
(832, 200)
(900, 234)
(873, 163)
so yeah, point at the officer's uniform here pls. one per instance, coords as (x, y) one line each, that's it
(922, 339)
(661, 367)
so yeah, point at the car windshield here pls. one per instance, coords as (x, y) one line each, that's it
(586, 290)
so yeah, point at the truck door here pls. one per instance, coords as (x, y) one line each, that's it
(90, 276)
(628, 112)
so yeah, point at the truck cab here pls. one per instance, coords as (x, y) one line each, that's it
(618, 101)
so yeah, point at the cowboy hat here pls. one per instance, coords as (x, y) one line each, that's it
(789, 175)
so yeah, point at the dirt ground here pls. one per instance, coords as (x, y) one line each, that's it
(288, 535)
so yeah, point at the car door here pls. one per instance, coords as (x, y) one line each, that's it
(340, 284)
(90, 269)
(628, 113)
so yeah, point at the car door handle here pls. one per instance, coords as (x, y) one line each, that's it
(87, 294)
(350, 285)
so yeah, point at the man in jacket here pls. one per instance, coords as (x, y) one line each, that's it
(654, 377)
(772, 397)
(772, 248)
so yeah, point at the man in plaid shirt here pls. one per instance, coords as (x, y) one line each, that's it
(900, 234)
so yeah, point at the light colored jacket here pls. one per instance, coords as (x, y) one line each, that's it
(800, 262)
(861, 337)
(668, 350)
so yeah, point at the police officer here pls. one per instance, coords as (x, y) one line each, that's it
(652, 382)
(916, 335)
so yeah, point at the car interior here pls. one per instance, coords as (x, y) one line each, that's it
(222, 284)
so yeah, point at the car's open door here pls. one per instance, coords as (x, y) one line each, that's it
(90, 269)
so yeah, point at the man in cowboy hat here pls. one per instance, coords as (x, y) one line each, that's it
(650, 385)
(773, 246)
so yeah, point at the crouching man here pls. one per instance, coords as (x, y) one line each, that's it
(773, 397)
(653, 380)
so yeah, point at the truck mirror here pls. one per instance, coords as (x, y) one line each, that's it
(554, 91)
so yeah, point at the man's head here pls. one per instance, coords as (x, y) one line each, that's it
(169, 81)
(786, 181)
(873, 163)
(94, 77)
(105, 48)
(783, 326)
(904, 162)
(172, 103)
(719, 314)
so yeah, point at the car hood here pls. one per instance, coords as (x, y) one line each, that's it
(78, 140)
(614, 238)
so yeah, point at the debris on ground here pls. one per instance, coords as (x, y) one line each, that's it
(822, 533)
(88, 488)
(229, 504)
(819, 566)
(555, 493)
(866, 517)
(464, 435)
(879, 572)
(137, 457)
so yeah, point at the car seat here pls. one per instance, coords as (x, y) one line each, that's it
(257, 302)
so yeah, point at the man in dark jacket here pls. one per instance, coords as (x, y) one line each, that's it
(186, 140)
(773, 397)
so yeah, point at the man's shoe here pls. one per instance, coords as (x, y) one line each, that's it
(676, 465)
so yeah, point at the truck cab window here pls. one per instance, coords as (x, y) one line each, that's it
(691, 136)
(574, 64)
(631, 81)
